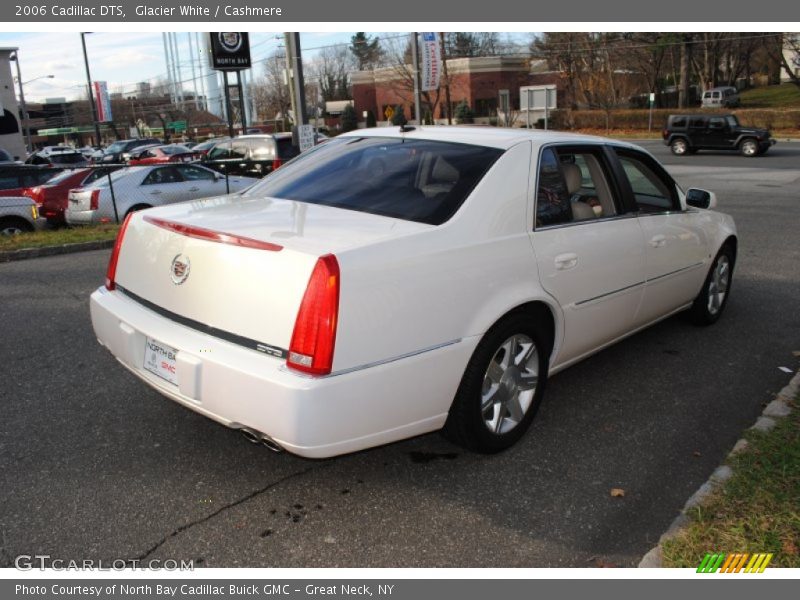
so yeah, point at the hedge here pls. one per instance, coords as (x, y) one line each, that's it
(566, 119)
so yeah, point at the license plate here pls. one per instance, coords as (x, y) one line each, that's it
(161, 360)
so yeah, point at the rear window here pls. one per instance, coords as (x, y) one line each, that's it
(67, 159)
(679, 122)
(414, 180)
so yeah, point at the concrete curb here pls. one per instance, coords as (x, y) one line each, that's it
(777, 409)
(22, 254)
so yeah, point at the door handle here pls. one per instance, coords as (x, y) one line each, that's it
(566, 261)
(155, 192)
(194, 189)
(657, 241)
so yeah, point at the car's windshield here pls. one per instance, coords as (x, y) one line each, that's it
(415, 180)
(170, 150)
(115, 147)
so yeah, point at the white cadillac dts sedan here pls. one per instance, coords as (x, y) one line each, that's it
(393, 282)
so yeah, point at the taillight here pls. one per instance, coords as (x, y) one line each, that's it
(314, 336)
(277, 163)
(94, 203)
(111, 272)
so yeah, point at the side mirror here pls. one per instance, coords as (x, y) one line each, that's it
(701, 199)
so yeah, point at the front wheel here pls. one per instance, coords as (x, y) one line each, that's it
(501, 388)
(679, 147)
(748, 147)
(711, 301)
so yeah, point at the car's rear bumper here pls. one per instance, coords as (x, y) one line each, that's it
(313, 417)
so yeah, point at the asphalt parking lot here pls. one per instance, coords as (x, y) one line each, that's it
(95, 465)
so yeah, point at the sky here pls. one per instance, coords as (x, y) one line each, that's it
(121, 59)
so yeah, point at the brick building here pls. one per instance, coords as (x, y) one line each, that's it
(477, 80)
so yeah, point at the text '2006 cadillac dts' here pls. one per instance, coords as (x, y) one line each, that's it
(393, 282)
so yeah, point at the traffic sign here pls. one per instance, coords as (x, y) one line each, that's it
(305, 134)
(388, 113)
(177, 125)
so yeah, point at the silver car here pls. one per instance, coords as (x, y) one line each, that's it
(19, 214)
(137, 188)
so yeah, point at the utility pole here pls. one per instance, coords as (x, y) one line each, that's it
(415, 67)
(91, 95)
(446, 82)
(297, 85)
(25, 118)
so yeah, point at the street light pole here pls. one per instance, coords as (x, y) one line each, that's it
(91, 96)
(25, 120)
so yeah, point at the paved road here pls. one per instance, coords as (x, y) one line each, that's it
(93, 464)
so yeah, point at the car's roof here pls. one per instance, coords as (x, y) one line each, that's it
(496, 137)
(256, 136)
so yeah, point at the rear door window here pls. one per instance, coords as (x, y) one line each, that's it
(415, 180)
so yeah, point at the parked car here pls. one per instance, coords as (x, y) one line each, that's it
(155, 155)
(204, 147)
(15, 178)
(720, 97)
(393, 282)
(686, 134)
(137, 188)
(18, 214)
(114, 152)
(253, 155)
(70, 159)
(52, 196)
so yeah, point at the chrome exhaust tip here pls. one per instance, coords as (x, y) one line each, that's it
(271, 444)
(251, 435)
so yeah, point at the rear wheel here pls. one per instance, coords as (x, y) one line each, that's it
(711, 301)
(502, 387)
(679, 146)
(14, 225)
(748, 147)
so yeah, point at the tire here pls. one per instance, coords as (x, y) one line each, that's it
(14, 226)
(502, 387)
(679, 147)
(748, 147)
(711, 301)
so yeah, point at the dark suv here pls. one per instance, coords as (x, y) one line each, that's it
(251, 155)
(113, 154)
(686, 134)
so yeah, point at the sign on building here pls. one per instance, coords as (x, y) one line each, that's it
(431, 69)
(102, 102)
(537, 97)
(230, 51)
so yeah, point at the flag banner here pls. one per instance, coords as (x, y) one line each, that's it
(102, 102)
(431, 68)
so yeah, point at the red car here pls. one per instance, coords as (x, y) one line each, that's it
(154, 155)
(52, 196)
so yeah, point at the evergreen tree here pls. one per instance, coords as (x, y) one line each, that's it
(349, 119)
(463, 113)
(399, 116)
(367, 51)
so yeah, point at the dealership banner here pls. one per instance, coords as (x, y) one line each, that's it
(102, 102)
(431, 68)
(476, 12)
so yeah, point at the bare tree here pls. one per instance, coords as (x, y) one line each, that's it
(398, 52)
(271, 91)
(331, 68)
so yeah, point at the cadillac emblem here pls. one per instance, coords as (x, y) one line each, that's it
(179, 269)
(231, 42)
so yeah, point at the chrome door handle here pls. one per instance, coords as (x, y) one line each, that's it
(657, 241)
(194, 189)
(566, 261)
(155, 192)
